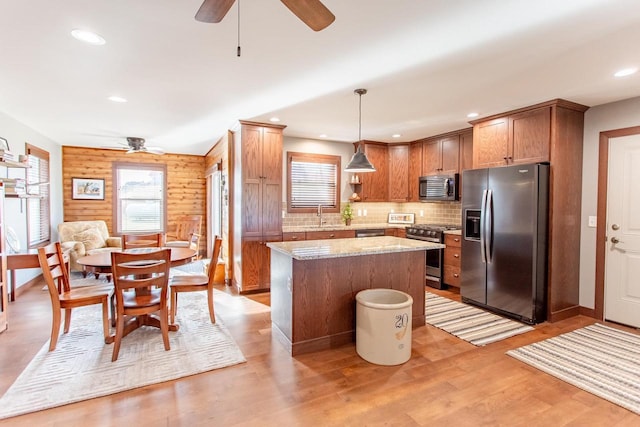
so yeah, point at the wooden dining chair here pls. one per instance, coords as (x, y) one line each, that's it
(194, 283)
(185, 226)
(141, 282)
(154, 240)
(63, 297)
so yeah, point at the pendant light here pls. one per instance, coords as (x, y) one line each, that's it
(359, 161)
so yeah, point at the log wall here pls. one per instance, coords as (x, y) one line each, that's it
(186, 189)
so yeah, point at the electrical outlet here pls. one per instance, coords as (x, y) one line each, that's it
(593, 221)
(359, 212)
(392, 211)
(421, 212)
(283, 214)
(364, 212)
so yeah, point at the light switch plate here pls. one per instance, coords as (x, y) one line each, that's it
(593, 221)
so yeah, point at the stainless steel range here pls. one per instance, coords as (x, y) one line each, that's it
(432, 233)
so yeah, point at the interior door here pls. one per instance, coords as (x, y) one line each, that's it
(622, 259)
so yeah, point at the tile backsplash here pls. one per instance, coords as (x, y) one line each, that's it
(377, 213)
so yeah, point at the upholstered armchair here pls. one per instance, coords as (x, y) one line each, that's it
(82, 238)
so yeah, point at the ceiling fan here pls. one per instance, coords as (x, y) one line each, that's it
(311, 12)
(136, 145)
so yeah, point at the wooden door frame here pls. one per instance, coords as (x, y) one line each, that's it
(601, 230)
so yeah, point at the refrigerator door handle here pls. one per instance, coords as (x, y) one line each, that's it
(488, 238)
(483, 213)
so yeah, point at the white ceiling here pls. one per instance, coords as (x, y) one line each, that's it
(426, 64)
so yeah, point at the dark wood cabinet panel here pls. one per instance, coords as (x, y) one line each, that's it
(490, 143)
(441, 155)
(518, 138)
(293, 236)
(415, 170)
(530, 133)
(452, 258)
(375, 184)
(330, 234)
(259, 199)
(398, 173)
(450, 152)
(466, 156)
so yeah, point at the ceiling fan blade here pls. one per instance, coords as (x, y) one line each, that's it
(311, 12)
(213, 11)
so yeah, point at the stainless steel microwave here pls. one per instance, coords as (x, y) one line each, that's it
(438, 187)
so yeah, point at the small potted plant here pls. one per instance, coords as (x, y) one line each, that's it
(347, 214)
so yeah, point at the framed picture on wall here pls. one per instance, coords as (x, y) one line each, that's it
(87, 189)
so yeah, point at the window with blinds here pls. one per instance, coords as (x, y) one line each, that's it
(140, 197)
(312, 180)
(38, 207)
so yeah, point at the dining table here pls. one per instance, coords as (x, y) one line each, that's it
(100, 263)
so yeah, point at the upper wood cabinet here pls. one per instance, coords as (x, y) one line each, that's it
(261, 181)
(415, 170)
(441, 155)
(256, 203)
(398, 172)
(521, 137)
(375, 184)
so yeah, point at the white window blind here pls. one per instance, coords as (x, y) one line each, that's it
(313, 181)
(38, 208)
(140, 198)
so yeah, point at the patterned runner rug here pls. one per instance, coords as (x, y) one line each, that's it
(598, 359)
(80, 367)
(479, 327)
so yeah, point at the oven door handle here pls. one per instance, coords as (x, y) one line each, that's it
(483, 213)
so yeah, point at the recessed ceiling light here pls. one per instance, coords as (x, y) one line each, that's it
(324, 135)
(117, 99)
(274, 119)
(88, 37)
(625, 72)
(396, 135)
(472, 115)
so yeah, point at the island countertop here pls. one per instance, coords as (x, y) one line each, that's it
(338, 248)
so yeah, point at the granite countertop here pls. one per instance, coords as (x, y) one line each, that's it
(334, 227)
(337, 248)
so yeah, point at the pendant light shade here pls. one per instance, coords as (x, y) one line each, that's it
(359, 161)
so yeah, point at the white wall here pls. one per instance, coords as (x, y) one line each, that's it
(17, 134)
(617, 115)
(314, 146)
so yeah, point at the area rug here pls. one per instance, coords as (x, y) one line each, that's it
(479, 327)
(598, 359)
(80, 367)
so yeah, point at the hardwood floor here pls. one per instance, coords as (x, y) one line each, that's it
(447, 382)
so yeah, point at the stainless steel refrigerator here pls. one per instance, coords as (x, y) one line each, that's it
(504, 245)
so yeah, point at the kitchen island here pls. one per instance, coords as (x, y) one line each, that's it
(314, 284)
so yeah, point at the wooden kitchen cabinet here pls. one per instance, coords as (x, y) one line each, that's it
(415, 170)
(330, 234)
(466, 156)
(452, 258)
(519, 138)
(550, 131)
(398, 172)
(255, 256)
(375, 185)
(441, 155)
(257, 217)
(293, 236)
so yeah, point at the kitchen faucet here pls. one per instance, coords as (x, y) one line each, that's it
(321, 221)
